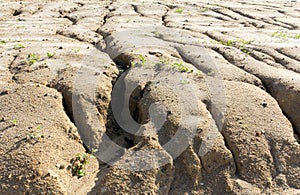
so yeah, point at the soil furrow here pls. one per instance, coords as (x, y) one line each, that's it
(268, 83)
(219, 11)
(292, 26)
(136, 9)
(282, 59)
(171, 97)
(241, 13)
(275, 23)
(294, 56)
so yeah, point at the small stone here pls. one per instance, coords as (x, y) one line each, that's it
(40, 173)
(264, 104)
(5, 92)
(60, 166)
(52, 174)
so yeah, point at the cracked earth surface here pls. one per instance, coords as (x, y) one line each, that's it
(242, 56)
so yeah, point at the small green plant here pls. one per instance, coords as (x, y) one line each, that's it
(179, 10)
(14, 122)
(245, 50)
(244, 42)
(165, 61)
(211, 73)
(2, 42)
(132, 64)
(227, 43)
(279, 35)
(51, 55)
(176, 65)
(32, 58)
(78, 164)
(243, 47)
(214, 42)
(76, 50)
(231, 43)
(93, 151)
(128, 20)
(241, 44)
(199, 74)
(35, 133)
(20, 27)
(275, 34)
(284, 36)
(18, 46)
(181, 67)
(297, 36)
(184, 82)
(31, 135)
(142, 59)
(203, 9)
(156, 34)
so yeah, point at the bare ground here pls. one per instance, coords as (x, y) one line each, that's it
(225, 72)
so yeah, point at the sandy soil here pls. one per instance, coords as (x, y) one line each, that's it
(140, 97)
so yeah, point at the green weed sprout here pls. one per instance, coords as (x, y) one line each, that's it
(279, 35)
(18, 46)
(76, 50)
(181, 67)
(32, 58)
(142, 59)
(51, 55)
(78, 164)
(14, 122)
(156, 34)
(179, 10)
(35, 133)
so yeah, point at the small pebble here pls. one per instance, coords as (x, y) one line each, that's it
(264, 104)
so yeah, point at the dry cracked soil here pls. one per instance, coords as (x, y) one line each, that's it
(149, 97)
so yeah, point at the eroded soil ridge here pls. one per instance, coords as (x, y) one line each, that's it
(171, 97)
